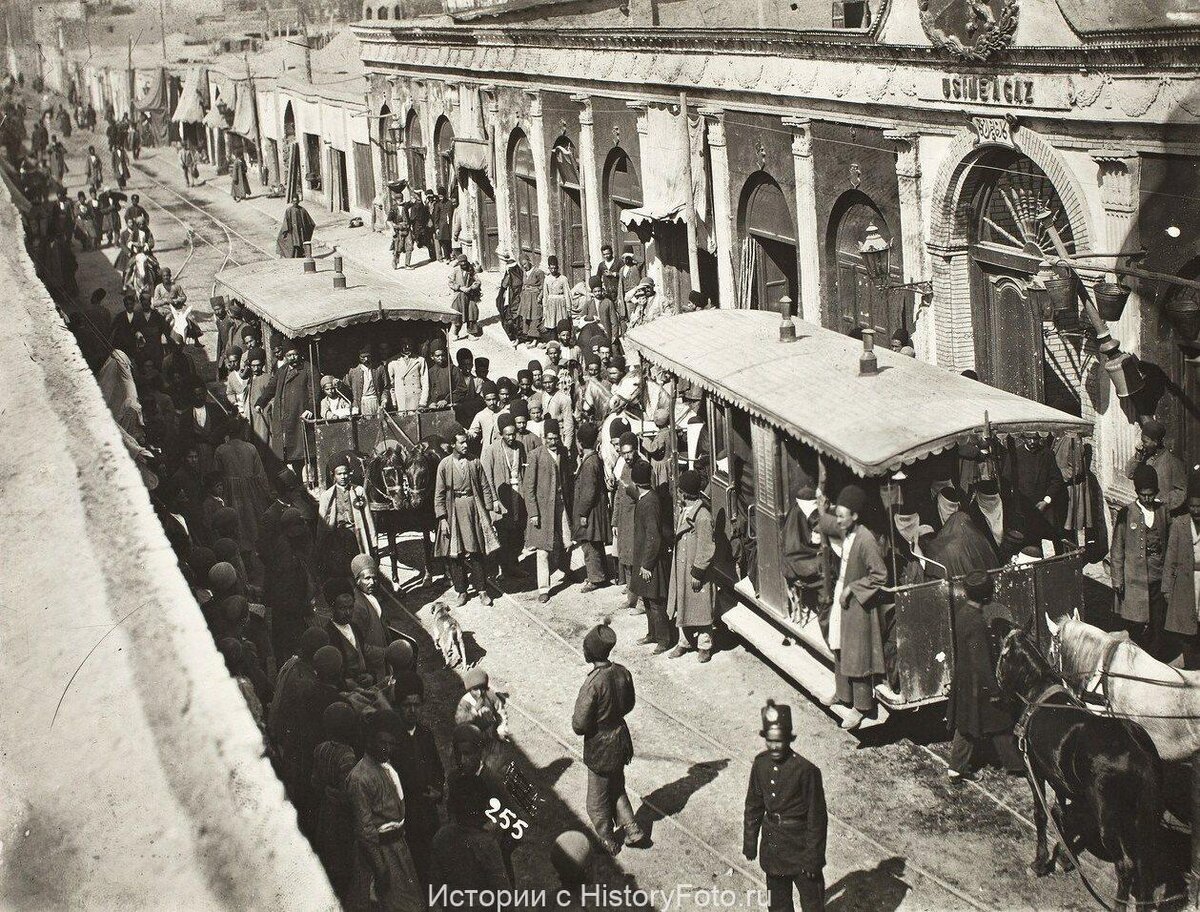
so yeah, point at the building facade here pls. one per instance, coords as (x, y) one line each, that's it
(758, 157)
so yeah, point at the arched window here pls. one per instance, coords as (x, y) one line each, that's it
(622, 190)
(382, 12)
(370, 11)
(525, 195)
(414, 143)
(389, 137)
(396, 12)
(569, 200)
(768, 255)
(443, 138)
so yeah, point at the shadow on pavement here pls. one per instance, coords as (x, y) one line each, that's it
(668, 800)
(880, 889)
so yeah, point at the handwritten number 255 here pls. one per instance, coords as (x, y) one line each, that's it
(507, 820)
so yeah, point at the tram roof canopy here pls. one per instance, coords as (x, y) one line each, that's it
(812, 389)
(301, 304)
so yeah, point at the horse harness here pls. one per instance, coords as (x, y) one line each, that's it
(1031, 708)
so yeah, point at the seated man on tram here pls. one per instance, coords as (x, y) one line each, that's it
(408, 378)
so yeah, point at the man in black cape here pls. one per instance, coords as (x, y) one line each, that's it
(296, 231)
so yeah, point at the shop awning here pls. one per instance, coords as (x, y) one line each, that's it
(191, 106)
(244, 121)
(218, 117)
(153, 96)
(644, 215)
(471, 154)
(811, 389)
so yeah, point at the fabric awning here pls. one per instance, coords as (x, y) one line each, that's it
(191, 106)
(244, 121)
(153, 96)
(471, 154)
(644, 215)
(218, 117)
(811, 389)
(301, 304)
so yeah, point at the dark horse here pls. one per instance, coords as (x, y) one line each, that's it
(1104, 771)
(400, 485)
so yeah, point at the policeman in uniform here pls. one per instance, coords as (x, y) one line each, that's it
(786, 802)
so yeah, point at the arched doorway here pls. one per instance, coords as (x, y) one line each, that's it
(1181, 306)
(289, 169)
(524, 196)
(443, 140)
(622, 190)
(768, 252)
(387, 145)
(855, 299)
(1014, 210)
(414, 150)
(572, 250)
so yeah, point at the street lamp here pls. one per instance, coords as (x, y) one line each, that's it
(876, 253)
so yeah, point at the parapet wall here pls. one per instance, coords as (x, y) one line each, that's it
(131, 773)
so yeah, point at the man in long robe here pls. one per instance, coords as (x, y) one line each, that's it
(503, 463)
(290, 402)
(463, 503)
(296, 231)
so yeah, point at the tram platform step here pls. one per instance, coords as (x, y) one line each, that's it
(792, 658)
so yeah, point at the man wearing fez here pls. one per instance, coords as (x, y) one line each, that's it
(368, 383)
(605, 699)
(383, 864)
(855, 629)
(689, 600)
(785, 803)
(977, 710)
(1152, 451)
(420, 767)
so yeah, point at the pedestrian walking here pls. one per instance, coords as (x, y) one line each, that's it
(187, 162)
(605, 699)
(690, 597)
(239, 177)
(296, 231)
(95, 170)
(530, 307)
(786, 821)
(403, 240)
(420, 768)
(465, 285)
(977, 710)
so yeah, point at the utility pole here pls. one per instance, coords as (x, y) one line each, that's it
(132, 81)
(689, 198)
(162, 28)
(262, 164)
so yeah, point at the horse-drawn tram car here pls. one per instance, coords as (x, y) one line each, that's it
(313, 302)
(792, 409)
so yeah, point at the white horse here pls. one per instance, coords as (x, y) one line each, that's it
(1112, 670)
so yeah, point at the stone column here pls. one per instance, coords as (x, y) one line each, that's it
(912, 246)
(431, 153)
(1119, 177)
(808, 242)
(491, 110)
(723, 228)
(589, 179)
(541, 170)
(653, 266)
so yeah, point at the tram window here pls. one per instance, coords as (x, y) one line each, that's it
(798, 467)
(720, 450)
(742, 466)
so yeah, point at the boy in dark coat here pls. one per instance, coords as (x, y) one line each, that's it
(648, 559)
(785, 802)
(976, 710)
(605, 699)
(1136, 559)
(590, 504)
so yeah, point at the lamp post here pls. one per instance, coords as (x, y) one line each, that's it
(876, 253)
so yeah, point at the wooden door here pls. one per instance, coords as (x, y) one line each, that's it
(1012, 346)
(489, 227)
(364, 176)
(525, 192)
(574, 253)
(776, 266)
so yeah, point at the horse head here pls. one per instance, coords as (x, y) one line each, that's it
(1021, 670)
(420, 470)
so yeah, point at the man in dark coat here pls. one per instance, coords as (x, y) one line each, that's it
(976, 710)
(420, 768)
(349, 638)
(605, 699)
(1136, 560)
(291, 400)
(546, 489)
(503, 462)
(1179, 581)
(785, 802)
(805, 560)
(375, 610)
(590, 508)
(296, 231)
(650, 579)
(1033, 473)
(1152, 451)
